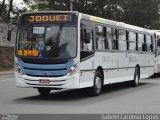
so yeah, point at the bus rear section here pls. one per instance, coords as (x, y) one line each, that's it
(157, 53)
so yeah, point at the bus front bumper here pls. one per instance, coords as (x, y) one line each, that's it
(65, 82)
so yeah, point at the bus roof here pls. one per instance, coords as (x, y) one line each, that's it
(36, 12)
(99, 20)
(115, 23)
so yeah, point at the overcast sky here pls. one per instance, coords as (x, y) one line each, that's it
(17, 1)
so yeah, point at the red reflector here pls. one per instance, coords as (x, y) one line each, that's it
(44, 81)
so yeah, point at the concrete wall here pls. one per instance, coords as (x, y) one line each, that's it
(6, 58)
(6, 48)
(3, 35)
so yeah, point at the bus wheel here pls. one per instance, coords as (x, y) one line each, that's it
(44, 91)
(135, 82)
(98, 83)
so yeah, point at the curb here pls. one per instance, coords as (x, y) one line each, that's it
(6, 72)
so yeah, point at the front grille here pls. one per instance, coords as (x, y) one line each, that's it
(44, 61)
(51, 81)
(46, 84)
(44, 69)
(45, 75)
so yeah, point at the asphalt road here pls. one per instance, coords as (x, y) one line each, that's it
(117, 98)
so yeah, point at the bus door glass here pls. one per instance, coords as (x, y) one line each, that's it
(86, 42)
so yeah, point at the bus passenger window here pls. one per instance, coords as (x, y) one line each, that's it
(122, 40)
(149, 43)
(140, 42)
(132, 41)
(151, 46)
(100, 44)
(101, 41)
(109, 38)
(144, 47)
(115, 39)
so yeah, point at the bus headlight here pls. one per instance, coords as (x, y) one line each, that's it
(73, 70)
(18, 69)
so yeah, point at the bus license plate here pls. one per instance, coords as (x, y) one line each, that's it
(44, 81)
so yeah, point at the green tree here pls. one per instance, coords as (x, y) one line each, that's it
(10, 10)
(155, 25)
(3, 12)
(1, 7)
(136, 12)
(141, 12)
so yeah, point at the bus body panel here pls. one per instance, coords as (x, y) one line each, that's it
(157, 54)
(117, 66)
(65, 82)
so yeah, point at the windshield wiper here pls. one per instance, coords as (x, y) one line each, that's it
(59, 33)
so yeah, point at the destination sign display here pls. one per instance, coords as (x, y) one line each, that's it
(47, 18)
(27, 53)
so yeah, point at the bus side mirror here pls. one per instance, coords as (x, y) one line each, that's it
(9, 35)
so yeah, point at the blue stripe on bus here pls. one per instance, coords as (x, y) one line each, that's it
(45, 70)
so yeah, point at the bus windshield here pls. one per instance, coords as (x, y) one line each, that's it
(56, 42)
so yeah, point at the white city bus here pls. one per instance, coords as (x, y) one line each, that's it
(157, 50)
(71, 50)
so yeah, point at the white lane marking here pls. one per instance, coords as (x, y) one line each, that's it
(6, 80)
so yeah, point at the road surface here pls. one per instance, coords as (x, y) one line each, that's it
(117, 98)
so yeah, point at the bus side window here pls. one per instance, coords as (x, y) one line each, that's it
(140, 42)
(115, 39)
(101, 43)
(132, 41)
(149, 43)
(144, 45)
(109, 38)
(122, 40)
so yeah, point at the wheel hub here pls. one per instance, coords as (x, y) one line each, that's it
(98, 83)
(137, 78)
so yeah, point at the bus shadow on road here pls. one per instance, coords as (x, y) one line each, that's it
(81, 97)
(157, 75)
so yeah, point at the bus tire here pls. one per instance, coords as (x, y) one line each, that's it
(97, 85)
(44, 91)
(135, 82)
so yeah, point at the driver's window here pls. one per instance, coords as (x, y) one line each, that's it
(86, 39)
